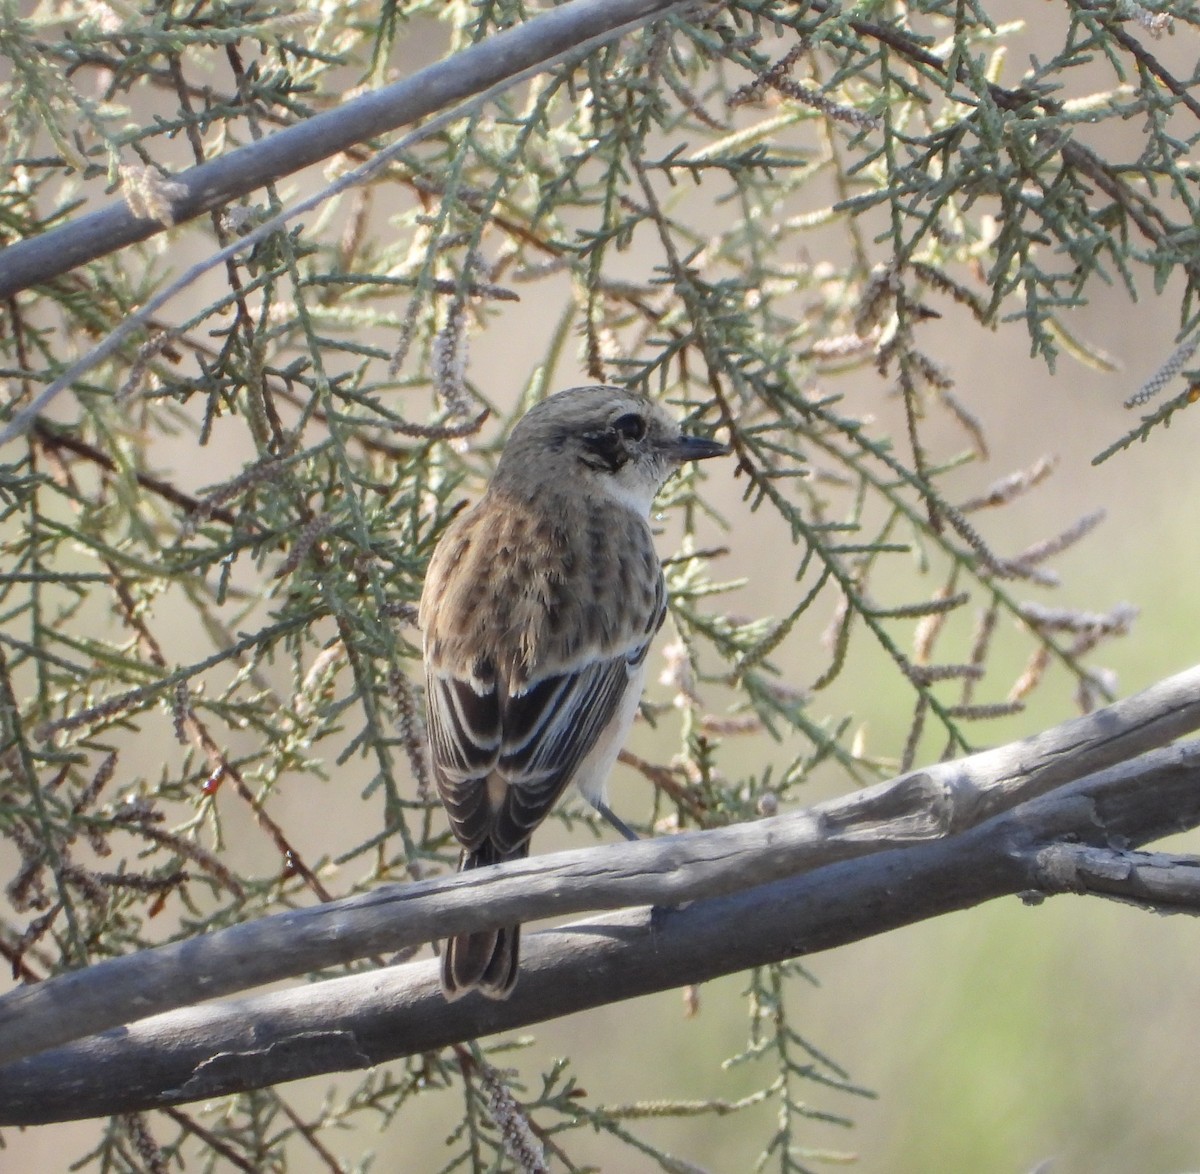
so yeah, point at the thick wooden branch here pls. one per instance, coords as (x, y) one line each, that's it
(499, 60)
(370, 1018)
(711, 903)
(924, 805)
(665, 871)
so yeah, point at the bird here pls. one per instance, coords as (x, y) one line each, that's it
(537, 613)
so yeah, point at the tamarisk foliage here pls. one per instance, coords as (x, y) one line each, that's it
(216, 536)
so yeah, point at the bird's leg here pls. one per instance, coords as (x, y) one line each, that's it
(614, 819)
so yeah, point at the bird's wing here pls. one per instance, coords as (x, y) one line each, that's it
(464, 743)
(528, 743)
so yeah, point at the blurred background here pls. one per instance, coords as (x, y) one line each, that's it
(992, 1040)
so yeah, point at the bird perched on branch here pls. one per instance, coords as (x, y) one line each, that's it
(537, 614)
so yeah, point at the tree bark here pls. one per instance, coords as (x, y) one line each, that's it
(709, 903)
(491, 65)
(920, 806)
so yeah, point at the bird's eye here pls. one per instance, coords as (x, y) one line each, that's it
(630, 425)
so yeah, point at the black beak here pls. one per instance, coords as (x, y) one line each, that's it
(696, 448)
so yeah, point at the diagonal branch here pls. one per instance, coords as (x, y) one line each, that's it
(368, 1019)
(930, 805)
(486, 68)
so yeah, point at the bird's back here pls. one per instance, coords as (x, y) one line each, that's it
(521, 589)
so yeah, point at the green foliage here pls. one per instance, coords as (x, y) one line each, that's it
(214, 552)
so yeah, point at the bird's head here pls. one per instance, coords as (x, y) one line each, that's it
(612, 440)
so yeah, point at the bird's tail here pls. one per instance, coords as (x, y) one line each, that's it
(484, 961)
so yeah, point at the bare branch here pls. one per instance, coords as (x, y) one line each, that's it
(493, 64)
(367, 1019)
(1158, 881)
(927, 806)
